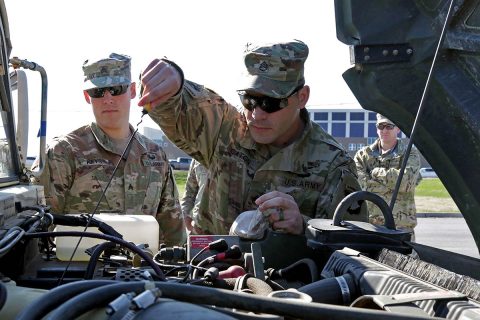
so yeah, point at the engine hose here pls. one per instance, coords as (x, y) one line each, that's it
(122, 242)
(94, 258)
(11, 238)
(95, 298)
(42, 214)
(53, 298)
(228, 299)
(260, 304)
(304, 270)
(339, 290)
(3, 295)
(256, 286)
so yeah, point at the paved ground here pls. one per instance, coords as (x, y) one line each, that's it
(447, 233)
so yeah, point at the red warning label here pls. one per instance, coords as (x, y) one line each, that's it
(200, 242)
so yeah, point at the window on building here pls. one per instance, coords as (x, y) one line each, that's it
(324, 125)
(372, 130)
(356, 130)
(357, 116)
(352, 147)
(360, 146)
(339, 116)
(339, 129)
(320, 116)
(372, 116)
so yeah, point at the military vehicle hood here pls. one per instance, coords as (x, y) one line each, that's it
(393, 44)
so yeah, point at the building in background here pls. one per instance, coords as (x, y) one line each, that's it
(159, 137)
(350, 125)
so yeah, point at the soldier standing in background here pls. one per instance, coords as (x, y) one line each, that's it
(80, 164)
(271, 156)
(190, 202)
(378, 167)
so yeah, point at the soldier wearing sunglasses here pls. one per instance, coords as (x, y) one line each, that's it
(378, 167)
(80, 164)
(271, 156)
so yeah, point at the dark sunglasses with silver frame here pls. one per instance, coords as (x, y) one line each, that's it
(388, 126)
(267, 104)
(114, 91)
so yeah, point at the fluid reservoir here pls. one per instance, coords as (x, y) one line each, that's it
(134, 228)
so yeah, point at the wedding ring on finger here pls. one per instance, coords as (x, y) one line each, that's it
(281, 215)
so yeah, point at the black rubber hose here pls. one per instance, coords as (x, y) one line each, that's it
(94, 258)
(94, 298)
(224, 298)
(259, 304)
(304, 270)
(122, 242)
(3, 295)
(339, 291)
(55, 297)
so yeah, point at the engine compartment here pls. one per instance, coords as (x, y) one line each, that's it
(339, 270)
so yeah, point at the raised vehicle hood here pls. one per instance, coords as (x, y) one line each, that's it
(393, 43)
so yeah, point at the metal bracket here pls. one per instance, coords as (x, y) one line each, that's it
(380, 53)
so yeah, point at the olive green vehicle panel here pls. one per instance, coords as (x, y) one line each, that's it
(393, 43)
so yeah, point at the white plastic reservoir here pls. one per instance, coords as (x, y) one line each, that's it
(134, 228)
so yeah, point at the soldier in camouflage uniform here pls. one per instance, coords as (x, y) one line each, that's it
(194, 187)
(378, 167)
(271, 156)
(80, 164)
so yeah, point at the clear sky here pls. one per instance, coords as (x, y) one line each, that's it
(206, 38)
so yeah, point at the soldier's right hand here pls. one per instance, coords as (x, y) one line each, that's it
(160, 81)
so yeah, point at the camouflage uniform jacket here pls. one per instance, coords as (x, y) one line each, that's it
(79, 165)
(378, 173)
(196, 180)
(315, 170)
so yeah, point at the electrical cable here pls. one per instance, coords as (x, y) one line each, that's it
(94, 258)
(233, 253)
(217, 245)
(11, 238)
(33, 219)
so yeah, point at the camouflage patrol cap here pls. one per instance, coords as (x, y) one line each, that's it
(382, 119)
(106, 72)
(275, 70)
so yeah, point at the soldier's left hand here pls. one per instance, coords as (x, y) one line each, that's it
(285, 215)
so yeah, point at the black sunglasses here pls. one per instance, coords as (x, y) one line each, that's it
(267, 104)
(114, 91)
(388, 126)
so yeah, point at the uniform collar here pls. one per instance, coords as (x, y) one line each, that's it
(107, 143)
(376, 149)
